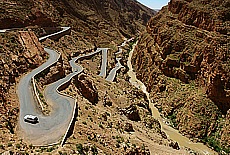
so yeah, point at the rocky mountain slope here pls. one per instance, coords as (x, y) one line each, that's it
(93, 17)
(184, 60)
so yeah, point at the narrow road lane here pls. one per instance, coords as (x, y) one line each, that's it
(103, 62)
(113, 72)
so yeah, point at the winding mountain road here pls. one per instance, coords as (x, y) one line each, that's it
(118, 65)
(50, 129)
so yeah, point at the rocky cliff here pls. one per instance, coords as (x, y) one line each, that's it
(184, 60)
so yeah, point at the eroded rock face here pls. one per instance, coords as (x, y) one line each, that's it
(87, 88)
(22, 52)
(204, 16)
(217, 92)
(28, 15)
(187, 57)
(33, 47)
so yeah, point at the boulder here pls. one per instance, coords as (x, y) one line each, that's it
(131, 113)
(87, 88)
(128, 127)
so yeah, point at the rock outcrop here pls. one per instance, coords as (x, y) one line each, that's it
(53, 73)
(131, 113)
(87, 88)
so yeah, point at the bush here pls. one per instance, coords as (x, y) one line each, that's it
(213, 142)
(84, 123)
(50, 149)
(18, 146)
(101, 126)
(94, 150)
(31, 146)
(79, 148)
(1, 146)
(64, 153)
(9, 144)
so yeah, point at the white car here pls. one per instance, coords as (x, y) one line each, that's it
(31, 119)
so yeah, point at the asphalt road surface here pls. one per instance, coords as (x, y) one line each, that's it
(104, 62)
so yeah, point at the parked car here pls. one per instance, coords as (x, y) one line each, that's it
(31, 119)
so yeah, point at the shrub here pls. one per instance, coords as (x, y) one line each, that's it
(31, 146)
(1, 146)
(18, 146)
(9, 144)
(101, 126)
(79, 148)
(84, 123)
(94, 150)
(50, 149)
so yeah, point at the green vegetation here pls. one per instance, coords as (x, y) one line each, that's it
(9, 144)
(131, 43)
(215, 144)
(1, 146)
(79, 148)
(173, 119)
(101, 126)
(50, 149)
(9, 126)
(84, 123)
(189, 98)
(18, 146)
(42, 98)
(31, 146)
(94, 150)
(62, 153)
(213, 140)
(119, 139)
(41, 95)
